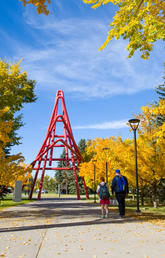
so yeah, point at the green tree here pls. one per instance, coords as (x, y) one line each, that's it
(82, 145)
(52, 186)
(15, 90)
(46, 182)
(37, 184)
(66, 178)
(49, 183)
(161, 88)
(61, 175)
(161, 93)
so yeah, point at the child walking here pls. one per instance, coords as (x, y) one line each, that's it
(103, 192)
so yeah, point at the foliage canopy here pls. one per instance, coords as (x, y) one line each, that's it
(12, 167)
(120, 153)
(15, 90)
(141, 22)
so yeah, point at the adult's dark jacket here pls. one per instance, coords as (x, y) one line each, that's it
(115, 187)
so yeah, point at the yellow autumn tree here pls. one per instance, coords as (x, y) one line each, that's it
(12, 167)
(120, 154)
(117, 155)
(159, 111)
(41, 5)
(141, 22)
(16, 89)
(151, 150)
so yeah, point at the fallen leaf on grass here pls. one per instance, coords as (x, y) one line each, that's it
(2, 255)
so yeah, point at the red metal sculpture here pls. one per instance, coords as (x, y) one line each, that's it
(46, 156)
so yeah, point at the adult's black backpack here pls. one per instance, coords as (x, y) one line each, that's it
(103, 192)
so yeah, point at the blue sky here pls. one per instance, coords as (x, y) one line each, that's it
(103, 89)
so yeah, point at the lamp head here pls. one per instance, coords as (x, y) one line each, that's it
(134, 123)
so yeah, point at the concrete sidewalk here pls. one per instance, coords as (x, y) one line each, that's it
(70, 228)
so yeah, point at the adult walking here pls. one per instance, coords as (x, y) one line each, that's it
(103, 192)
(120, 187)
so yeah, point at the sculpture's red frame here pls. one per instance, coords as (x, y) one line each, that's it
(45, 156)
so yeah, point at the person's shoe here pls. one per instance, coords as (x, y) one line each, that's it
(122, 216)
(106, 215)
(102, 217)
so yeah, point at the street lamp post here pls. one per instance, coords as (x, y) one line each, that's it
(106, 174)
(94, 161)
(134, 123)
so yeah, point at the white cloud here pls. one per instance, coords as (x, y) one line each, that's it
(105, 125)
(68, 58)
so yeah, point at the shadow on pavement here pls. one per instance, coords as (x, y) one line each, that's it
(67, 210)
(72, 224)
(54, 208)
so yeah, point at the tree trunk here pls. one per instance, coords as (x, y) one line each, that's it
(154, 194)
(66, 187)
(142, 196)
(59, 190)
(150, 195)
(133, 194)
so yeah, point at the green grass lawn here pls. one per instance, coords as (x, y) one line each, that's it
(53, 195)
(147, 207)
(144, 210)
(148, 212)
(8, 201)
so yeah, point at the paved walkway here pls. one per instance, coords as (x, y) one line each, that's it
(71, 229)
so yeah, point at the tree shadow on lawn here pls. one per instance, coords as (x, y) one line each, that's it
(148, 216)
